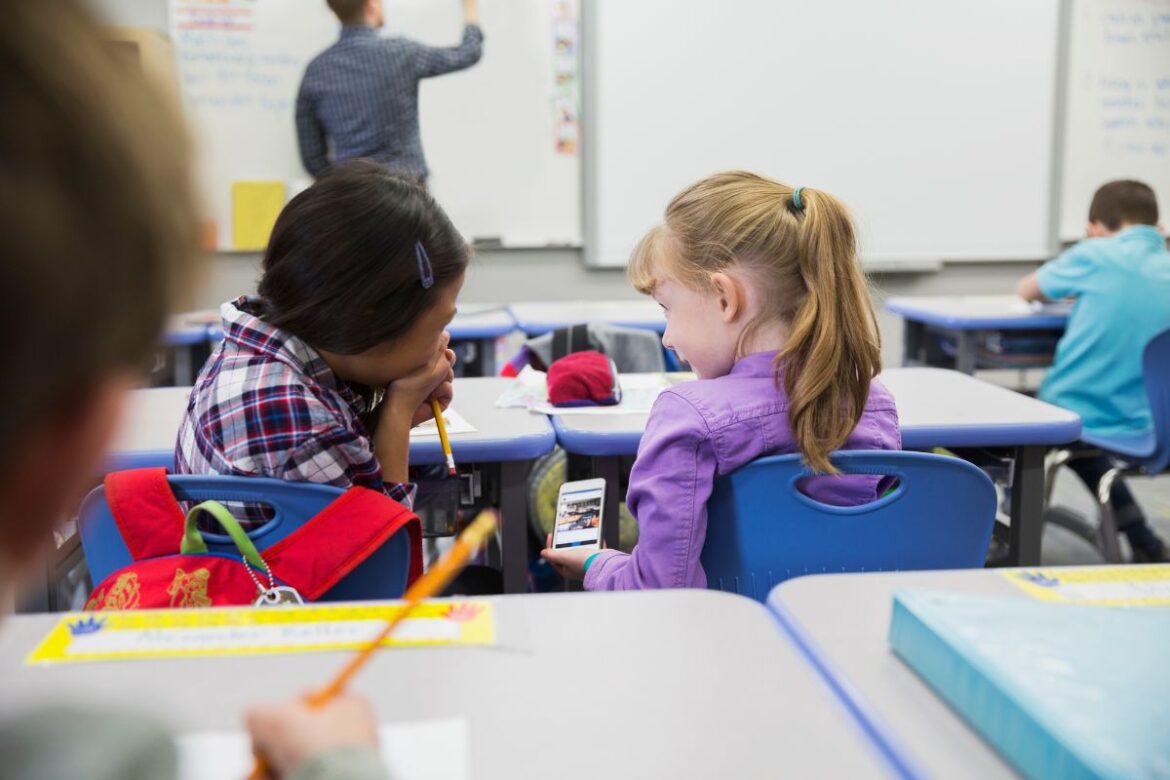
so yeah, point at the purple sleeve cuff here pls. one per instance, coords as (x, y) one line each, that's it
(594, 573)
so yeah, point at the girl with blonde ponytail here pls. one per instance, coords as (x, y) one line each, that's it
(765, 299)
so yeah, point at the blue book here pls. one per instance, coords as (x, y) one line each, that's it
(1061, 691)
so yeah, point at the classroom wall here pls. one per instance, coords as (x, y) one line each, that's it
(500, 276)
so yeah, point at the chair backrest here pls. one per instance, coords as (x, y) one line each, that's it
(762, 530)
(381, 576)
(1156, 372)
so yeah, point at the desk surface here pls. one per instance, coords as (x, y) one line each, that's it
(481, 321)
(942, 408)
(474, 321)
(847, 618)
(185, 330)
(209, 319)
(536, 319)
(980, 312)
(149, 429)
(654, 684)
(501, 434)
(936, 408)
(147, 436)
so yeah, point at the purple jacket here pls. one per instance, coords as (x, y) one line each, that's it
(699, 430)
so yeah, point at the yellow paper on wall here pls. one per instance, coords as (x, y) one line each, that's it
(255, 206)
(183, 633)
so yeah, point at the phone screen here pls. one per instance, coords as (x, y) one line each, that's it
(578, 518)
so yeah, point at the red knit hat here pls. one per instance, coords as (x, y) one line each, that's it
(583, 379)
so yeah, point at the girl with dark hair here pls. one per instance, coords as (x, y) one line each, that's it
(321, 377)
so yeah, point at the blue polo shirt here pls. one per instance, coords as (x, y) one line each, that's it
(1121, 287)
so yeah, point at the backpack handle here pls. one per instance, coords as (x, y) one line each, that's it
(193, 540)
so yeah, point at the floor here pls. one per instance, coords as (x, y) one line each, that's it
(1063, 548)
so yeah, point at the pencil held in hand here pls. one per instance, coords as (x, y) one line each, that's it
(430, 584)
(427, 586)
(441, 424)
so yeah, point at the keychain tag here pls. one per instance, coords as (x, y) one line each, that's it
(279, 596)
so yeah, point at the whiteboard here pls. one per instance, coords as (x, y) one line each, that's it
(1118, 103)
(934, 123)
(490, 134)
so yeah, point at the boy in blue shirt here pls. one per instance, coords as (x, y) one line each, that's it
(1119, 279)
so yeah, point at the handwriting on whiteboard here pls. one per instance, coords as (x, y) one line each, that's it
(223, 64)
(1134, 109)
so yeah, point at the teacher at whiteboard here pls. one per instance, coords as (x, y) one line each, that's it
(360, 96)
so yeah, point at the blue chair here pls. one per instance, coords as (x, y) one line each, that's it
(381, 576)
(1145, 454)
(762, 530)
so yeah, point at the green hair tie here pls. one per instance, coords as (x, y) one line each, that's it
(796, 203)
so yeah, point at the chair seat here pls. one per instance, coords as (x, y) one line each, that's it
(1136, 446)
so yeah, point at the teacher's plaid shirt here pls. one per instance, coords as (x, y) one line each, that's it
(267, 405)
(361, 95)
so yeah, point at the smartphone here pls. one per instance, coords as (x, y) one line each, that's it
(579, 507)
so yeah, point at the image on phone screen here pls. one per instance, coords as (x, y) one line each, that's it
(579, 518)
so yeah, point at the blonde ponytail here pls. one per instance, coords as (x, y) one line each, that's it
(801, 249)
(833, 349)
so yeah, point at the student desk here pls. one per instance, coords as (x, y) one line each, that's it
(149, 429)
(512, 438)
(936, 408)
(966, 318)
(478, 323)
(481, 324)
(845, 618)
(185, 334)
(536, 319)
(624, 685)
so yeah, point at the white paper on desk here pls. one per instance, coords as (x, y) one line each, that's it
(639, 392)
(456, 423)
(422, 750)
(1052, 307)
(529, 388)
(1020, 306)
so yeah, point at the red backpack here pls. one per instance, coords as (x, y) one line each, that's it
(172, 566)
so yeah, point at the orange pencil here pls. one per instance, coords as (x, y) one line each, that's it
(425, 587)
(441, 424)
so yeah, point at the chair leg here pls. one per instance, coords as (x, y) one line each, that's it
(1056, 459)
(1107, 528)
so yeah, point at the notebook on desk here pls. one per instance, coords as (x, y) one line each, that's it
(1059, 690)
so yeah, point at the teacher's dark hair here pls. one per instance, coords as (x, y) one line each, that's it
(342, 271)
(348, 11)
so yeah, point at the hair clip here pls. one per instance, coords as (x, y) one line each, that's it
(796, 203)
(426, 275)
